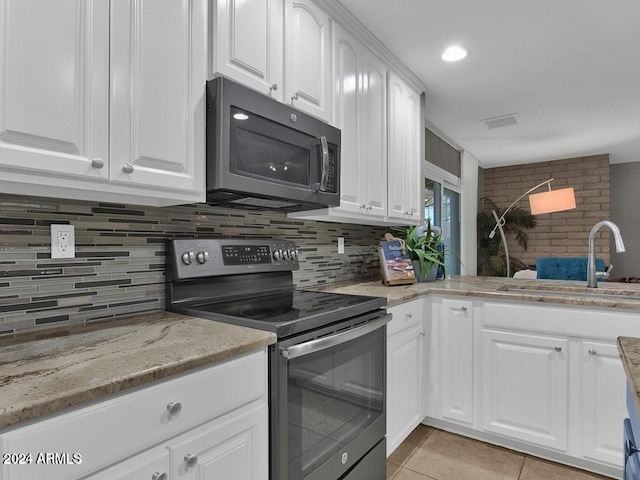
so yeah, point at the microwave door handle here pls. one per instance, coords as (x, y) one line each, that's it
(325, 163)
(312, 346)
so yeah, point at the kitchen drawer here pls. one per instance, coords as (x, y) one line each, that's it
(107, 431)
(405, 316)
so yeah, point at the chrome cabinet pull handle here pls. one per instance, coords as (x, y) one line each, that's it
(159, 476)
(190, 460)
(592, 351)
(409, 315)
(464, 309)
(558, 349)
(127, 168)
(174, 408)
(274, 87)
(97, 163)
(294, 97)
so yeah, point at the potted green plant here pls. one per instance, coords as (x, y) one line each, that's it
(491, 259)
(425, 247)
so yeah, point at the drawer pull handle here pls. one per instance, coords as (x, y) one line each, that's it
(558, 349)
(190, 460)
(409, 315)
(127, 168)
(174, 408)
(592, 351)
(464, 309)
(274, 87)
(97, 163)
(159, 476)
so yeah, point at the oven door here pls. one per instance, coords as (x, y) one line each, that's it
(330, 400)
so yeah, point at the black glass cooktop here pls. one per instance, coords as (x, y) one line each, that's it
(287, 313)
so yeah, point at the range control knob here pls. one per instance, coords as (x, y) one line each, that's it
(293, 253)
(278, 254)
(188, 257)
(286, 254)
(202, 257)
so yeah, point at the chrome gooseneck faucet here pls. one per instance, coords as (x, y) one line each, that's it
(591, 261)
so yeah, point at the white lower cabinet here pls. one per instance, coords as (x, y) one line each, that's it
(405, 339)
(543, 379)
(603, 401)
(207, 424)
(150, 465)
(456, 372)
(224, 449)
(525, 387)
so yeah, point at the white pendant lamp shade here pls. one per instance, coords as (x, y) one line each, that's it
(552, 201)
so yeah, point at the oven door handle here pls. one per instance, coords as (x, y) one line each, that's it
(312, 346)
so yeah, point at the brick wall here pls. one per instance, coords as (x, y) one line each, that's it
(561, 234)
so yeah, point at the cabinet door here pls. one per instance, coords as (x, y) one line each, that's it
(404, 384)
(307, 60)
(525, 387)
(373, 166)
(248, 48)
(457, 360)
(158, 62)
(234, 447)
(603, 402)
(346, 117)
(54, 91)
(149, 465)
(360, 113)
(405, 180)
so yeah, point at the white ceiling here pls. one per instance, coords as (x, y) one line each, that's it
(570, 69)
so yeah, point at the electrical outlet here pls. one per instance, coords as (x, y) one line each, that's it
(63, 241)
(340, 244)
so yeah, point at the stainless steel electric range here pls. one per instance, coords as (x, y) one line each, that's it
(327, 378)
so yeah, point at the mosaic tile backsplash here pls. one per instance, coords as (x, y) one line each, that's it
(119, 264)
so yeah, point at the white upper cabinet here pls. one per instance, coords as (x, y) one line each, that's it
(248, 43)
(360, 113)
(103, 100)
(54, 90)
(307, 58)
(281, 48)
(404, 167)
(157, 85)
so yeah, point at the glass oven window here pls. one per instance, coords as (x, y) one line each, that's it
(333, 396)
(265, 149)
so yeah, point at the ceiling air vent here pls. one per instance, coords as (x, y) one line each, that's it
(502, 121)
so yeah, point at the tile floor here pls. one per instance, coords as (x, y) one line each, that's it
(431, 454)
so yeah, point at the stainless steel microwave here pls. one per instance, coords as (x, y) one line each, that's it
(264, 154)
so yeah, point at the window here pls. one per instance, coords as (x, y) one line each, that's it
(442, 207)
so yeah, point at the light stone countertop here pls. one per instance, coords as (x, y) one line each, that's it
(629, 350)
(44, 372)
(607, 295)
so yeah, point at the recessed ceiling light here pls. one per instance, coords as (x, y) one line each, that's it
(455, 53)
